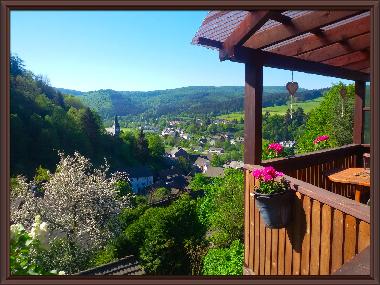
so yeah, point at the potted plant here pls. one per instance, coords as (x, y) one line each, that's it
(273, 197)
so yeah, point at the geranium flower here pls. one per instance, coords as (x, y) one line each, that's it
(321, 139)
(266, 174)
(276, 147)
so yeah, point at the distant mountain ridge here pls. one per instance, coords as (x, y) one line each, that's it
(199, 100)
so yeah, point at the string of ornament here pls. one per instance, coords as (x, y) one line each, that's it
(292, 88)
(343, 93)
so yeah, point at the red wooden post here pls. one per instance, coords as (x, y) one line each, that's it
(253, 113)
(358, 112)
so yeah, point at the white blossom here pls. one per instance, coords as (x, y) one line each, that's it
(80, 202)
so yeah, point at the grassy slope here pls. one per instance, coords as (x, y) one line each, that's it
(280, 110)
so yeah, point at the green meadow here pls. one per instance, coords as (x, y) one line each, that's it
(307, 106)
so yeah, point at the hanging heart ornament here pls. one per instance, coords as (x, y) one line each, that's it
(292, 87)
(343, 93)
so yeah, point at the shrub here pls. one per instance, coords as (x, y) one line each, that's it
(224, 261)
(27, 248)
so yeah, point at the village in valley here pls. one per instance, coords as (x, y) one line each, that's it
(201, 145)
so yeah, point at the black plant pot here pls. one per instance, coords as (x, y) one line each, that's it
(275, 209)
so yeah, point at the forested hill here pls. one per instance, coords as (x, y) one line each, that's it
(186, 100)
(44, 121)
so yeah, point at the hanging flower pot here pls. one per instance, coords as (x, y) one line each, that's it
(273, 198)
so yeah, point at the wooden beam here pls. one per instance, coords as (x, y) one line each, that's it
(253, 113)
(283, 19)
(348, 58)
(251, 23)
(300, 25)
(358, 112)
(245, 55)
(327, 52)
(358, 65)
(333, 35)
(366, 70)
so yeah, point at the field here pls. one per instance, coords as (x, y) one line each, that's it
(307, 106)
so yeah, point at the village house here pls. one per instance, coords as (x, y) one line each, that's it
(287, 143)
(169, 132)
(214, 171)
(140, 178)
(216, 150)
(178, 152)
(234, 164)
(202, 163)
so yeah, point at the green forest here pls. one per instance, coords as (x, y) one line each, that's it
(44, 121)
(198, 100)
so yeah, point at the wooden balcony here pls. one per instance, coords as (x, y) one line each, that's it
(327, 228)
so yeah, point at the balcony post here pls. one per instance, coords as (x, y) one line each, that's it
(358, 112)
(253, 113)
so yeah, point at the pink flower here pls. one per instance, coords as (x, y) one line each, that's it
(257, 173)
(266, 174)
(321, 139)
(276, 147)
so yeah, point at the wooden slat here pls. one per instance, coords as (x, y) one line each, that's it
(268, 250)
(360, 65)
(256, 259)
(305, 257)
(247, 217)
(331, 51)
(315, 238)
(262, 247)
(274, 258)
(349, 238)
(325, 241)
(281, 251)
(297, 232)
(288, 250)
(349, 58)
(300, 25)
(364, 235)
(252, 223)
(251, 23)
(337, 241)
(333, 35)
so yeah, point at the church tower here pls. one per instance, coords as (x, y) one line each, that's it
(116, 127)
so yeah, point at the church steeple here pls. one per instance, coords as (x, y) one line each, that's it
(116, 126)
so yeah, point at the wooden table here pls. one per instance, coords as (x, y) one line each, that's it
(355, 176)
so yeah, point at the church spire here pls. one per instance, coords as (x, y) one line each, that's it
(116, 126)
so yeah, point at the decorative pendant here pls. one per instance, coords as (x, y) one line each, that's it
(343, 94)
(292, 89)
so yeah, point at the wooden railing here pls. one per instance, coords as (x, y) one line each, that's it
(312, 167)
(327, 230)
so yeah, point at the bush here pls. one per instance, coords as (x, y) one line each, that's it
(224, 261)
(327, 119)
(221, 210)
(28, 248)
(158, 237)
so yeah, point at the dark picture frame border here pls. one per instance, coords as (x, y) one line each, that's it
(9, 5)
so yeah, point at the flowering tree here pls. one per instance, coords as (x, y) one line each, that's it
(26, 248)
(80, 203)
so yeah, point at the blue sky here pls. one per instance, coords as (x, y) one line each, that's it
(128, 50)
